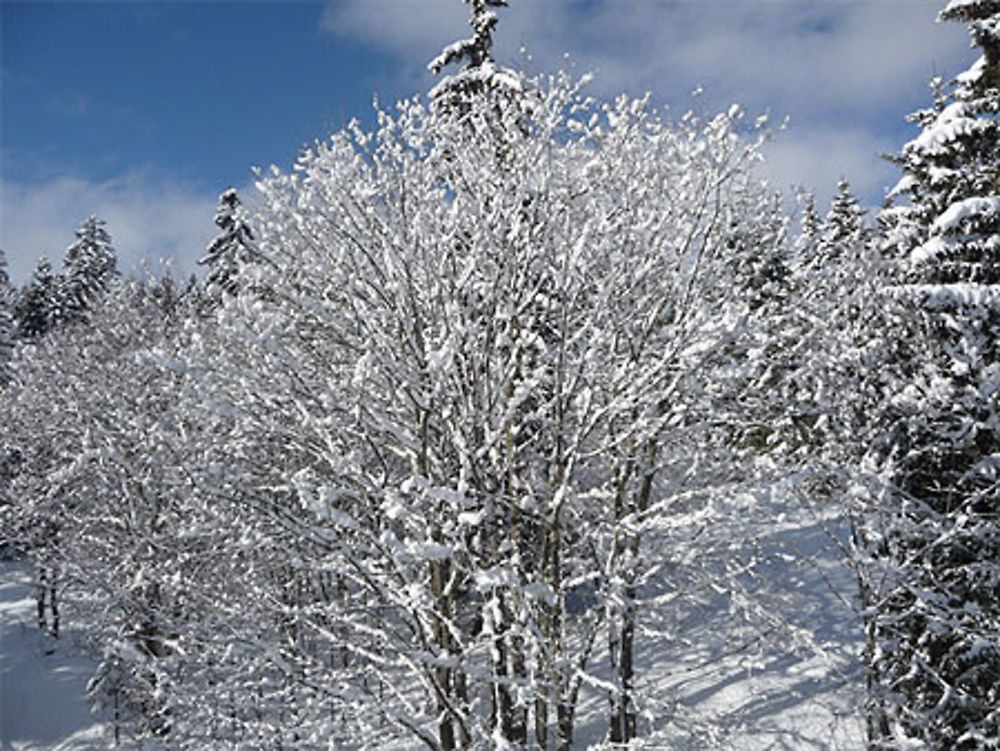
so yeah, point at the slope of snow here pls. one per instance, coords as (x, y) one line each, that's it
(43, 701)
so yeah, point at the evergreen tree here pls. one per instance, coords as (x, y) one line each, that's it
(843, 228)
(38, 307)
(479, 74)
(90, 265)
(947, 232)
(810, 221)
(232, 248)
(841, 255)
(819, 336)
(6, 320)
(936, 665)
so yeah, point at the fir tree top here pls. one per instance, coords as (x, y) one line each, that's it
(480, 73)
(844, 220)
(38, 307)
(91, 265)
(232, 248)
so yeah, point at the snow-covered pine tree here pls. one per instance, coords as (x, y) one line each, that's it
(937, 662)
(810, 222)
(843, 228)
(39, 306)
(91, 265)
(811, 324)
(232, 249)
(479, 73)
(826, 249)
(6, 320)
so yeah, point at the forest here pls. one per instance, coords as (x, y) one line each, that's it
(484, 426)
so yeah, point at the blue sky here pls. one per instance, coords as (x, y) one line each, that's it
(142, 112)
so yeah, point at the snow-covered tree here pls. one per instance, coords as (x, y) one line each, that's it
(6, 320)
(842, 231)
(232, 249)
(39, 305)
(90, 267)
(479, 76)
(9, 457)
(490, 403)
(103, 494)
(811, 351)
(936, 534)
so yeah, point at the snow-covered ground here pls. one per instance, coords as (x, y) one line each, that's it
(43, 701)
(796, 691)
(800, 686)
(790, 680)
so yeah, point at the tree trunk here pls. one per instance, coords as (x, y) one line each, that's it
(541, 722)
(46, 597)
(519, 712)
(442, 639)
(623, 718)
(41, 590)
(53, 601)
(622, 725)
(564, 724)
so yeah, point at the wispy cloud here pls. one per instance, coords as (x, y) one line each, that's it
(149, 219)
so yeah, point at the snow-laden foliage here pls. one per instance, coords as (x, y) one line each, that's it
(492, 442)
(819, 345)
(934, 538)
(103, 493)
(50, 300)
(8, 456)
(495, 436)
(492, 449)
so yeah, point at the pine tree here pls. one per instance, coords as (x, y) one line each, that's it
(90, 265)
(38, 308)
(937, 663)
(479, 74)
(843, 226)
(818, 341)
(6, 320)
(232, 249)
(841, 253)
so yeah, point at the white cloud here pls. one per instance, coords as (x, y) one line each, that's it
(149, 220)
(401, 27)
(819, 157)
